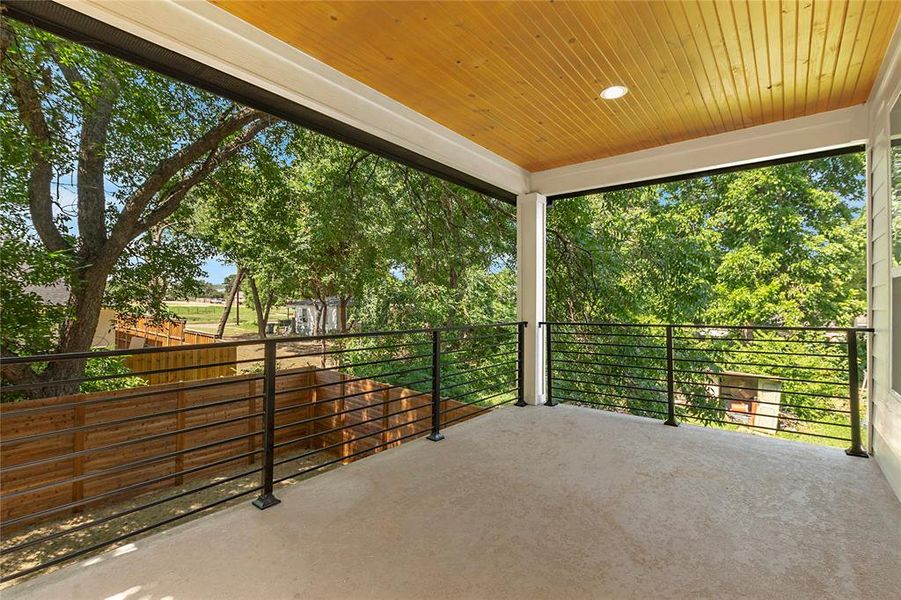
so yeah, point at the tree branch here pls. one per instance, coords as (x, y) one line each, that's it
(137, 202)
(28, 102)
(174, 196)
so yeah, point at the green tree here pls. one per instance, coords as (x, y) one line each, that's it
(136, 143)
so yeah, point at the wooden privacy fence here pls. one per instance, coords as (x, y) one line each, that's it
(217, 360)
(91, 463)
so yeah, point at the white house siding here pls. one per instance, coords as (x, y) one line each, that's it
(885, 405)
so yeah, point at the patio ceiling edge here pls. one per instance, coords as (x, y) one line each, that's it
(204, 46)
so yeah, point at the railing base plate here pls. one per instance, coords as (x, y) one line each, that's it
(435, 437)
(857, 453)
(265, 501)
(671, 423)
(551, 403)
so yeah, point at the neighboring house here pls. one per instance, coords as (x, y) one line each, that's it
(308, 312)
(58, 294)
(749, 398)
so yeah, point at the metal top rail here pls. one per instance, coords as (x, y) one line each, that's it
(255, 342)
(708, 326)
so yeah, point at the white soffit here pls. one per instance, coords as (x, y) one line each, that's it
(803, 135)
(214, 37)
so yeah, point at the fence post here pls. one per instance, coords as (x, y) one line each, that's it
(521, 363)
(549, 392)
(854, 394)
(266, 497)
(670, 381)
(436, 435)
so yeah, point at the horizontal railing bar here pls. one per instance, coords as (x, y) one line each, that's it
(128, 535)
(79, 380)
(630, 376)
(150, 438)
(177, 387)
(754, 389)
(352, 455)
(128, 488)
(352, 380)
(447, 352)
(311, 436)
(458, 361)
(738, 412)
(605, 344)
(345, 411)
(758, 341)
(477, 391)
(124, 513)
(445, 388)
(611, 385)
(346, 350)
(630, 357)
(696, 326)
(132, 465)
(636, 398)
(290, 372)
(770, 377)
(619, 406)
(89, 426)
(686, 417)
(609, 334)
(279, 340)
(354, 395)
(769, 352)
(476, 338)
(612, 344)
(468, 371)
(600, 364)
(349, 441)
(747, 364)
(473, 402)
(450, 328)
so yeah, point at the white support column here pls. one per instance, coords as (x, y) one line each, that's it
(530, 287)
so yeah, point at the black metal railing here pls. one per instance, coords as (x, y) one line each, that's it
(83, 471)
(792, 382)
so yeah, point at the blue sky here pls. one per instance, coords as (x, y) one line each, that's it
(217, 270)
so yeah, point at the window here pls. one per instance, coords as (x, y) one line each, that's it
(896, 245)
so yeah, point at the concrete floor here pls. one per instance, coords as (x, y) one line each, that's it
(536, 503)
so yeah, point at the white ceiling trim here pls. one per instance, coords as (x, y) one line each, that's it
(214, 37)
(803, 135)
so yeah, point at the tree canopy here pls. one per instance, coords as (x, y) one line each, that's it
(120, 181)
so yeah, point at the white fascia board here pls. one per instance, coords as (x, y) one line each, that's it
(218, 39)
(888, 82)
(823, 131)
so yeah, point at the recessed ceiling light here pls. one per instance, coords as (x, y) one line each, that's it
(614, 91)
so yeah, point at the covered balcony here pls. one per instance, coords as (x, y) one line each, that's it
(537, 503)
(488, 469)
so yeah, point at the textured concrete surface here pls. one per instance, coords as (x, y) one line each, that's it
(536, 503)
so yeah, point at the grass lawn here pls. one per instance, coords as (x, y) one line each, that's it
(205, 317)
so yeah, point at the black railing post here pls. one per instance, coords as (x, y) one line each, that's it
(266, 497)
(549, 392)
(670, 381)
(521, 363)
(436, 435)
(854, 394)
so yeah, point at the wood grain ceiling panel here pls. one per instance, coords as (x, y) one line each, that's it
(523, 78)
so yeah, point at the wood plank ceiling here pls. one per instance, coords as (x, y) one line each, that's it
(523, 79)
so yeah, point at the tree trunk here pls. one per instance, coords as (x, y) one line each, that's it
(257, 306)
(232, 294)
(342, 313)
(76, 334)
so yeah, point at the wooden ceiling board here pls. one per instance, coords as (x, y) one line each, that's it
(523, 79)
